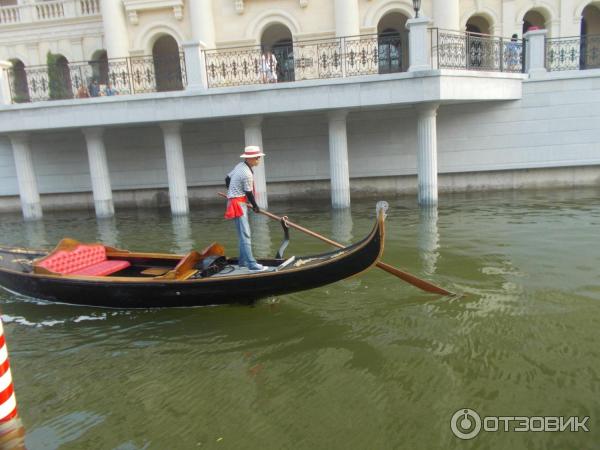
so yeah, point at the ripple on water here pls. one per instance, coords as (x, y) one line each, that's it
(369, 362)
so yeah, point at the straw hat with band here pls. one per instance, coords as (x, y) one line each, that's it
(252, 151)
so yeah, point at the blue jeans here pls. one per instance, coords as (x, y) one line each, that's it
(243, 231)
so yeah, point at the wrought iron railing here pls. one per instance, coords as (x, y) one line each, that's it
(305, 60)
(119, 76)
(573, 53)
(472, 51)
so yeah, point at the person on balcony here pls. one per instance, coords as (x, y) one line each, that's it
(240, 185)
(94, 88)
(110, 90)
(82, 92)
(268, 67)
(513, 52)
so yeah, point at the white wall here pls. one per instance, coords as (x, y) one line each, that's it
(554, 125)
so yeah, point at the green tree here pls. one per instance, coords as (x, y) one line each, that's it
(58, 77)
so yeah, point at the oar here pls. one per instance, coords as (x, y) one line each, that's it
(409, 278)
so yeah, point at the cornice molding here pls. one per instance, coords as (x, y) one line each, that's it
(240, 5)
(132, 7)
(29, 36)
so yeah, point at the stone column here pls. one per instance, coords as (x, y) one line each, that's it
(114, 21)
(554, 29)
(202, 21)
(418, 44)
(182, 233)
(428, 238)
(446, 14)
(427, 154)
(346, 18)
(535, 55)
(195, 66)
(175, 167)
(338, 160)
(5, 94)
(103, 201)
(253, 136)
(28, 190)
(569, 24)
(346, 24)
(509, 16)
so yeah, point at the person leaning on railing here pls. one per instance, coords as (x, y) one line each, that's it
(82, 92)
(94, 88)
(513, 51)
(109, 90)
(268, 67)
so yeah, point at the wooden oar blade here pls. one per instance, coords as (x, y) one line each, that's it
(411, 279)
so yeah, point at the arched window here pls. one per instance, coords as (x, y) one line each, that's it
(59, 77)
(478, 42)
(277, 63)
(392, 43)
(479, 24)
(590, 38)
(167, 64)
(18, 82)
(533, 18)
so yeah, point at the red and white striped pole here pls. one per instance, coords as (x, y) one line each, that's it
(12, 432)
(8, 402)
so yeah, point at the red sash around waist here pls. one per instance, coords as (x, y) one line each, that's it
(234, 207)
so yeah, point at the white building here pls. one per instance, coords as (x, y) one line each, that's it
(134, 102)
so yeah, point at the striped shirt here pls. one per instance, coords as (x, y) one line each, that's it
(242, 179)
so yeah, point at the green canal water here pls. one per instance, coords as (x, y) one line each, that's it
(366, 363)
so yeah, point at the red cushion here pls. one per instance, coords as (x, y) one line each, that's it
(102, 268)
(82, 260)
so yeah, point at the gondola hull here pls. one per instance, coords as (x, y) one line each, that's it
(127, 292)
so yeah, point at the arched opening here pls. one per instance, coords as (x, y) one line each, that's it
(534, 19)
(478, 42)
(167, 64)
(392, 43)
(277, 47)
(478, 25)
(18, 82)
(59, 77)
(99, 65)
(590, 37)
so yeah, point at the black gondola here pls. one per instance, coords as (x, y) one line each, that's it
(149, 280)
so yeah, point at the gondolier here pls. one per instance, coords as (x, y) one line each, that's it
(240, 184)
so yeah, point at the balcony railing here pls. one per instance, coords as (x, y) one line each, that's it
(133, 75)
(573, 53)
(306, 60)
(48, 11)
(471, 51)
(296, 61)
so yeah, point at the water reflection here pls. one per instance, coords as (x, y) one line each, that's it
(428, 238)
(182, 234)
(12, 435)
(35, 232)
(261, 236)
(341, 225)
(107, 231)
